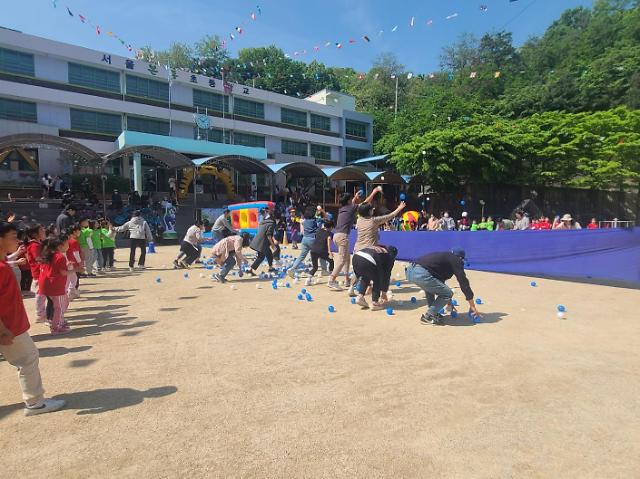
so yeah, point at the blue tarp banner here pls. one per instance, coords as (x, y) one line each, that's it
(601, 254)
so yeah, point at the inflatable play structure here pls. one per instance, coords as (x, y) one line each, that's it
(187, 178)
(244, 216)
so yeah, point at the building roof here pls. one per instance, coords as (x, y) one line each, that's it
(299, 169)
(345, 173)
(242, 164)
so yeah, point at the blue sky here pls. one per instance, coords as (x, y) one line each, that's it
(293, 25)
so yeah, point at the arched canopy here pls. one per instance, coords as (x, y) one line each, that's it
(387, 177)
(40, 140)
(242, 164)
(345, 173)
(299, 169)
(163, 156)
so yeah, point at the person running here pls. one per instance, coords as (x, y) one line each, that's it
(53, 281)
(222, 226)
(344, 225)
(264, 241)
(139, 234)
(16, 346)
(321, 249)
(309, 229)
(190, 248)
(430, 272)
(228, 252)
(373, 265)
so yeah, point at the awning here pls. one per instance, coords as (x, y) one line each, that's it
(242, 164)
(345, 173)
(299, 169)
(386, 177)
(163, 156)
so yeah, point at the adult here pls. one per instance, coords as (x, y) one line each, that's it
(116, 200)
(309, 227)
(264, 241)
(190, 248)
(45, 185)
(434, 223)
(568, 223)
(228, 252)
(373, 266)
(172, 187)
(344, 225)
(463, 222)
(16, 346)
(522, 221)
(139, 234)
(430, 272)
(65, 219)
(368, 226)
(447, 223)
(222, 226)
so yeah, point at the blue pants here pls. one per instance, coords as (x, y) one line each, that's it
(228, 265)
(438, 294)
(305, 247)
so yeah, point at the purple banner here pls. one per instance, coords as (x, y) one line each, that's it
(601, 254)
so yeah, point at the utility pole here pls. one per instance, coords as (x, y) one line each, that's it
(170, 85)
(395, 110)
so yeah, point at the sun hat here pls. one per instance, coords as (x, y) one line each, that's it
(567, 217)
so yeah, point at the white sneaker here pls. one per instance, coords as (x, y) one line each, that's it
(352, 291)
(362, 302)
(308, 282)
(131, 269)
(45, 406)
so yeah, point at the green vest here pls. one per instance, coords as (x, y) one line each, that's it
(97, 240)
(106, 241)
(84, 234)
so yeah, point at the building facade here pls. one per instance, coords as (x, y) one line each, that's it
(92, 97)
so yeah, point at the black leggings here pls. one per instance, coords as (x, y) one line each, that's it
(137, 243)
(191, 252)
(25, 280)
(314, 262)
(366, 272)
(107, 256)
(260, 258)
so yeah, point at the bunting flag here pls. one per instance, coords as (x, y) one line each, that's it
(413, 21)
(366, 38)
(69, 12)
(98, 29)
(453, 15)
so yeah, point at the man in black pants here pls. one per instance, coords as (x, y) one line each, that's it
(264, 241)
(140, 233)
(374, 265)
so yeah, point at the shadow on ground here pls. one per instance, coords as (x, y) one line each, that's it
(103, 400)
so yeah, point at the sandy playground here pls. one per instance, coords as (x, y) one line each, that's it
(190, 378)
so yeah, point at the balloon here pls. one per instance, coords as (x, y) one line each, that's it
(561, 308)
(332, 309)
(403, 197)
(158, 280)
(413, 299)
(390, 311)
(478, 301)
(353, 300)
(462, 202)
(300, 297)
(534, 284)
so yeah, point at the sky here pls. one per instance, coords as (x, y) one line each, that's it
(293, 25)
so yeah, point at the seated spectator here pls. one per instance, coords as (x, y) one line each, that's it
(593, 225)
(433, 223)
(541, 224)
(447, 223)
(489, 224)
(568, 223)
(463, 222)
(474, 225)
(522, 221)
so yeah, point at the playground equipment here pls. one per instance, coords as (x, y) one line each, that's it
(244, 216)
(187, 178)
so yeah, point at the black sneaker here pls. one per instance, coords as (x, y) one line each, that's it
(429, 318)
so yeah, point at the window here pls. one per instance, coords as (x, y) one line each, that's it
(18, 110)
(96, 122)
(357, 129)
(16, 62)
(94, 77)
(321, 152)
(212, 134)
(23, 159)
(148, 125)
(245, 139)
(319, 122)
(293, 117)
(212, 101)
(353, 154)
(248, 108)
(294, 148)
(145, 88)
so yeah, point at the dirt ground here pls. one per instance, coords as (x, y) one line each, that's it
(190, 378)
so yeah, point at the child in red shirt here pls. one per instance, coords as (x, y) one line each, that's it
(54, 270)
(16, 345)
(74, 257)
(35, 235)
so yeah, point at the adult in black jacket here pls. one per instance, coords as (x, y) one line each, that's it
(65, 220)
(373, 266)
(264, 241)
(430, 272)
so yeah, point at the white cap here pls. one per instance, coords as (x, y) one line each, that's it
(464, 214)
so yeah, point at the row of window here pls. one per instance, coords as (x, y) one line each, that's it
(319, 152)
(18, 110)
(356, 128)
(353, 154)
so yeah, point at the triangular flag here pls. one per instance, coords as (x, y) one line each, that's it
(98, 29)
(413, 21)
(327, 44)
(352, 41)
(394, 28)
(82, 19)
(253, 16)
(338, 45)
(69, 12)
(366, 38)
(409, 76)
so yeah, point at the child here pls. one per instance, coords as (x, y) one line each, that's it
(86, 246)
(74, 258)
(25, 270)
(96, 240)
(16, 345)
(321, 248)
(53, 281)
(108, 237)
(35, 235)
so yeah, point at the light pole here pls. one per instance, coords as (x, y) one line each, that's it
(104, 195)
(482, 203)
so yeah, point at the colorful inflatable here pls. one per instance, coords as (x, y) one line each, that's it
(244, 216)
